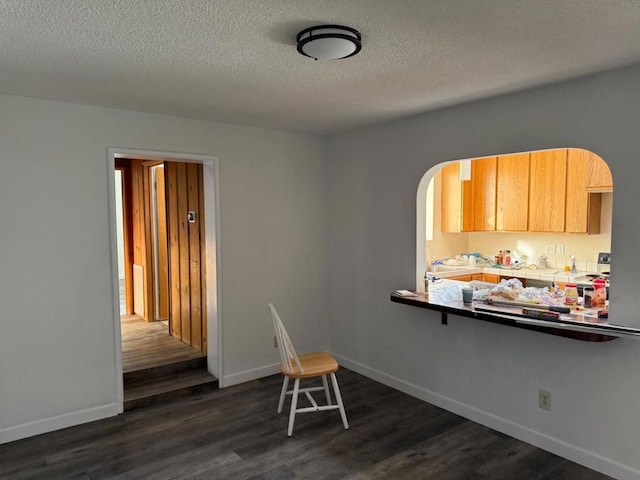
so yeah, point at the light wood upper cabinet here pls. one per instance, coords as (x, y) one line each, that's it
(458, 208)
(551, 191)
(598, 174)
(483, 195)
(512, 201)
(547, 189)
(450, 198)
(582, 208)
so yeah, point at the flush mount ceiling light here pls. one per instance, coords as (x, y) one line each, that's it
(329, 42)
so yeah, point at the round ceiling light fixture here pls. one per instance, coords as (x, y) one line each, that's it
(329, 42)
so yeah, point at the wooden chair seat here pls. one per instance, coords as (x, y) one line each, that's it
(313, 365)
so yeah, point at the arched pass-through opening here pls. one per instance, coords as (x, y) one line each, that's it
(552, 205)
(212, 242)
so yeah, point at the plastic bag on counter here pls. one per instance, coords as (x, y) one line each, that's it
(450, 293)
(512, 283)
(481, 294)
(480, 285)
(504, 291)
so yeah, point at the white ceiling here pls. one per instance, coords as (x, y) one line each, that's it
(235, 60)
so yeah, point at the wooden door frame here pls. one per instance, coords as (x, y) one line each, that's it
(212, 243)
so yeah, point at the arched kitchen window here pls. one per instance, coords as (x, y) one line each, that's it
(551, 210)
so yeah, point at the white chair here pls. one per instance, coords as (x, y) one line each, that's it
(310, 365)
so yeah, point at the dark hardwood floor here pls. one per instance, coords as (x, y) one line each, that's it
(235, 433)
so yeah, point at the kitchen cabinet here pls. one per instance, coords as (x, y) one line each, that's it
(583, 208)
(491, 278)
(469, 205)
(512, 199)
(547, 189)
(466, 278)
(479, 214)
(599, 177)
(450, 198)
(550, 191)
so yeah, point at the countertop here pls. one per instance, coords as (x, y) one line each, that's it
(544, 274)
(576, 325)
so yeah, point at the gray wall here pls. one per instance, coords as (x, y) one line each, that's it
(57, 348)
(57, 360)
(488, 372)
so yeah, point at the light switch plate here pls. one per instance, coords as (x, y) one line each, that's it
(560, 249)
(549, 248)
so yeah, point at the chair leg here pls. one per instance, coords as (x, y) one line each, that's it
(326, 389)
(283, 393)
(336, 390)
(294, 406)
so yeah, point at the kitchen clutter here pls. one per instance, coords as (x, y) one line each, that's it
(512, 292)
(504, 259)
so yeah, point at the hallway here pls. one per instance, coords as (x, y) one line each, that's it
(148, 345)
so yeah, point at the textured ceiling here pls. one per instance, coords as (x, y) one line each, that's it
(235, 60)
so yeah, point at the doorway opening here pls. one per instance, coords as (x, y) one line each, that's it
(120, 240)
(164, 232)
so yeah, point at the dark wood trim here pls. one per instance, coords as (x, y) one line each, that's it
(468, 312)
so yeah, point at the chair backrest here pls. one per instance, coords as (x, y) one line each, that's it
(288, 355)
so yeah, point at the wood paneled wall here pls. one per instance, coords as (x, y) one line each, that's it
(162, 308)
(141, 232)
(187, 299)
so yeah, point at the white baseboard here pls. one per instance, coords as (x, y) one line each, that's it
(248, 375)
(566, 450)
(45, 425)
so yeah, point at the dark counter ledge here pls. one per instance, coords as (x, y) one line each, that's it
(558, 328)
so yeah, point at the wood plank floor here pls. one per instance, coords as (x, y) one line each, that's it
(148, 345)
(235, 433)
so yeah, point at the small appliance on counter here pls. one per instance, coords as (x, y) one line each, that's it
(541, 262)
(601, 275)
(604, 262)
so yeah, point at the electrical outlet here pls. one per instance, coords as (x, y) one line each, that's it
(550, 248)
(560, 249)
(544, 400)
(275, 342)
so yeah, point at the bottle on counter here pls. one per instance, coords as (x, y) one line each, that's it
(599, 299)
(500, 258)
(507, 257)
(588, 296)
(570, 294)
(426, 284)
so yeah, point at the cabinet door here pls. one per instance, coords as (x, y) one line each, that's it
(490, 277)
(450, 198)
(476, 276)
(547, 189)
(461, 278)
(483, 194)
(512, 201)
(582, 207)
(598, 174)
